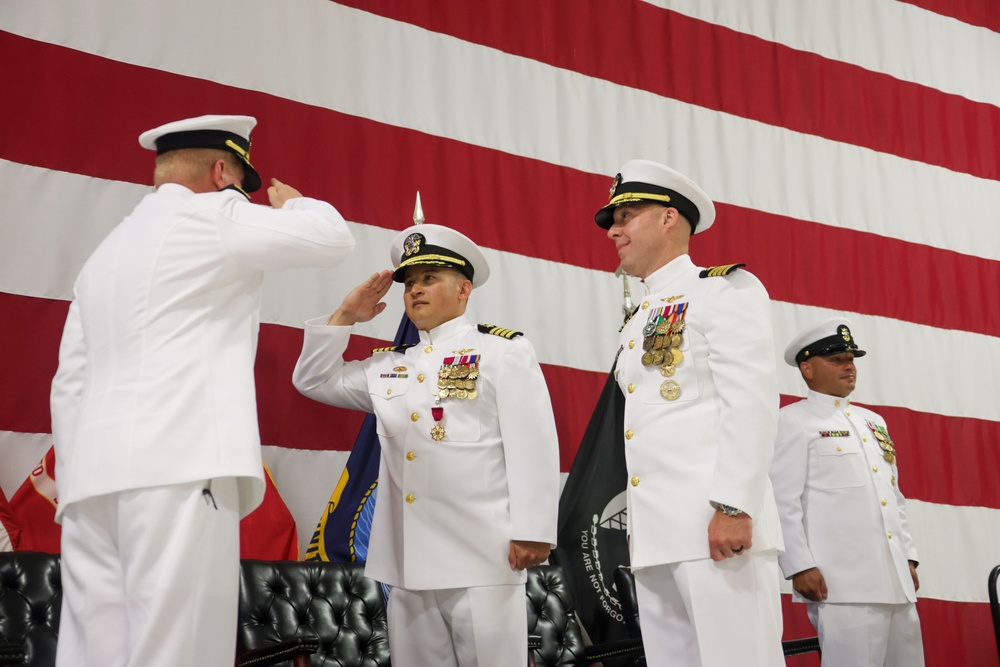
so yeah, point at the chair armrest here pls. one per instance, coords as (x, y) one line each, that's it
(616, 649)
(280, 652)
(797, 646)
(11, 654)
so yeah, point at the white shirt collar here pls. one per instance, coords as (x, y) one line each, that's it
(676, 268)
(450, 329)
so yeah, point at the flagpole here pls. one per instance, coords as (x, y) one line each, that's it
(418, 211)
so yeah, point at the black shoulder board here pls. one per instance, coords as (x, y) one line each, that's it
(723, 270)
(627, 318)
(499, 331)
(394, 348)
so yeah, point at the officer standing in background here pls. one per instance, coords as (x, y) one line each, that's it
(696, 366)
(849, 552)
(469, 468)
(154, 413)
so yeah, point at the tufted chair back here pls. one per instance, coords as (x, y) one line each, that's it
(30, 600)
(551, 618)
(335, 603)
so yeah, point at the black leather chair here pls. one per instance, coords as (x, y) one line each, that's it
(319, 614)
(554, 638)
(30, 601)
(625, 583)
(995, 603)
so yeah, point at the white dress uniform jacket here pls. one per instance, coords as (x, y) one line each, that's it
(840, 504)
(714, 442)
(155, 383)
(447, 510)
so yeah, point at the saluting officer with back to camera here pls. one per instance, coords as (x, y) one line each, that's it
(469, 468)
(696, 366)
(154, 414)
(849, 552)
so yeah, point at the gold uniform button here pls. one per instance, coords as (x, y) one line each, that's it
(836, 403)
(874, 468)
(884, 502)
(635, 481)
(629, 434)
(645, 305)
(428, 349)
(388, 391)
(631, 388)
(840, 449)
(631, 344)
(410, 498)
(847, 412)
(890, 534)
(894, 480)
(420, 378)
(414, 417)
(864, 438)
(410, 456)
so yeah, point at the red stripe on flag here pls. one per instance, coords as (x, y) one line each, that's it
(463, 182)
(982, 13)
(945, 447)
(785, 87)
(29, 356)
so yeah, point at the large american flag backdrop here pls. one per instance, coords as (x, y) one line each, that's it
(851, 146)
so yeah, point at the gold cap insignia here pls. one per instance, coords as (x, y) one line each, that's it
(614, 186)
(411, 245)
(844, 332)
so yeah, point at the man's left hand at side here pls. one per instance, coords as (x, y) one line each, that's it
(524, 554)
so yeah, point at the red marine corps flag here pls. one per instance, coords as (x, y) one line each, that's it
(267, 533)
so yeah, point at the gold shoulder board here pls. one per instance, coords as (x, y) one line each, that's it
(393, 348)
(499, 331)
(722, 270)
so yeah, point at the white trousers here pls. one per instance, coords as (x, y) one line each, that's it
(868, 635)
(150, 578)
(707, 614)
(485, 626)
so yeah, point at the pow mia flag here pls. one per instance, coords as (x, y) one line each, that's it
(591, 539)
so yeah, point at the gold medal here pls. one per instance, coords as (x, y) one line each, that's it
(676, 340)
(647, 358)
(647, 343)
(462, 393)
(662, 328)
(657, 358)
(670, 390)
(667, 370)
(473, 393)
(437, 433)
(443, 393)
(452, 393)
(677, 356)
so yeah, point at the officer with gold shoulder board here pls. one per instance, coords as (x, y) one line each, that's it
(849, 552)
(469, 469)
(696, 366)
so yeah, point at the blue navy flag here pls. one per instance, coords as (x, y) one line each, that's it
(342, 533)
(591, 539)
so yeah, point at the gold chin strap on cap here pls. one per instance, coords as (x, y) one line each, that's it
(628, 197)
(426, 259)
(238, 150)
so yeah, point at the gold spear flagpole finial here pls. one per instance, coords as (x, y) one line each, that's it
(418, 211)
(627, 305)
